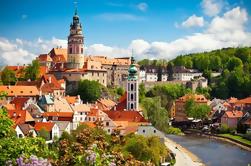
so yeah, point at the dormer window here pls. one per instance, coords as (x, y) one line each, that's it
(22, 92)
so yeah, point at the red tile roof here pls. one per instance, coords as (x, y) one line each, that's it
(20, 116)
(44, 57)
(19, 102)
(234, 114)
(58, 114)
(20, 90)
(197, 98)
(121, 106)
(71, 99)
(130, 116)
(44, 125)
(245, 101)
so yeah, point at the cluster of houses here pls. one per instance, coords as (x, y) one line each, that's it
(231, 112)
(43, 105)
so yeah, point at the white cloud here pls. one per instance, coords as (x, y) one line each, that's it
(22, 51)
(212, 7)
(193, 21)
(223, 31)
(142, 6)
(119, 17)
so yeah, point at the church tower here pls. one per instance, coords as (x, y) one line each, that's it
(132, 87)
(75, 57)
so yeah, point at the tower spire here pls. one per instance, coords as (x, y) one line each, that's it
(76, 7)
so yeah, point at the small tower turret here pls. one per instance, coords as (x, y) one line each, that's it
(132, 87)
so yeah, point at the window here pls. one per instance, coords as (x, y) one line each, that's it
(131, 86)
(154, 131)
(81, 119)
(22, 91)
(144, 131)
(108, 130)
(93, 119)
(89, 118)
(131, 105)
(69, 74)
(82, 50)
(131, 96)
(70, 50)
(81, 113)
(107, 124)
(92, 73)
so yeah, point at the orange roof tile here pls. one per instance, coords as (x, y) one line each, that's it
(44, 57)
(71, 99)
(232, 100)
(198, 98)
(20, 116)
(19, 102)
(58, 114)
(130, 116)
(44, 125)
(20, 90)
(244, 101)
(234, 114)
(9, 106)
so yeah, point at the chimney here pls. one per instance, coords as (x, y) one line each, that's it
(50, 79)
(14, 114)
(115, 108)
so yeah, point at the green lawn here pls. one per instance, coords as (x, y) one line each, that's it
(236, 137)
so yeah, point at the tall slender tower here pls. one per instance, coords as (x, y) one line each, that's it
(75, 57)
(132, 87)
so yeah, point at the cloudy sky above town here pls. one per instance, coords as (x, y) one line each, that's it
(152, 28)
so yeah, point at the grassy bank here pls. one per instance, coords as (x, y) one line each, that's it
(237, 138)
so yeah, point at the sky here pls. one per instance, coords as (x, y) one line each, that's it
(151, 28)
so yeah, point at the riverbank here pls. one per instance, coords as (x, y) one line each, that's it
(183, 156)
(222, 138)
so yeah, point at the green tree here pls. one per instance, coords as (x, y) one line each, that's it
(142, 92)
(89, 91)
(120, 91)
(32, 71)
(243, 54)
(234, 63)
(8, 77)
(6, 124)
(196, 111)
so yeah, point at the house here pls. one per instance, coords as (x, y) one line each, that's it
(24, 130)
(244, 104)
(149, 130)
(45, 60)
(51, 127)
(51, 86)
(21, 103)
(183, 74)
(21, 117)
(231, 118)
(80, 112)
(64, 126)
(179, 111)
(72, 100)
(195, 83)
(31, 92)
(95, 114)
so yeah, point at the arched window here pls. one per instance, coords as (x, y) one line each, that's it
(131, 86)
(70, 50)
(82, 50)
(77, 50)
(131, 97)
(131, 105)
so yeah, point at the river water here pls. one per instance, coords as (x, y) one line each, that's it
(214, 152)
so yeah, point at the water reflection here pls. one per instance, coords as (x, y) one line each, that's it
(214, 152)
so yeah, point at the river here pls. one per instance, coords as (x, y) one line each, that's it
(214, 152)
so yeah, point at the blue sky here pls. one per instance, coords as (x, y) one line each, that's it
(114, 26)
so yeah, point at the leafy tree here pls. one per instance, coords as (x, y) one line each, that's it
(196, 111)
(6, 124)
(89, 91)
(120, 91)
(243, 54)
(142, 92)
(234, 63)
(32, 71)
(8, 77)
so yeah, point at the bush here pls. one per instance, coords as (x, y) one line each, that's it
(173, 130)
(225, 129)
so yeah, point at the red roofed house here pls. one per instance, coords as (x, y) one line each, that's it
(21, 117)
(20, 91)
(244, 104)
(50, 85)
(24, 130)
(21, 103)
(45, 60)
(231, 118)
(130, 116)
(50, 127)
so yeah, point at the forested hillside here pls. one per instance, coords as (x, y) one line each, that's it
(233, 63)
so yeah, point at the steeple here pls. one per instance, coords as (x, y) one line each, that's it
(132, 71)
(75, 43)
